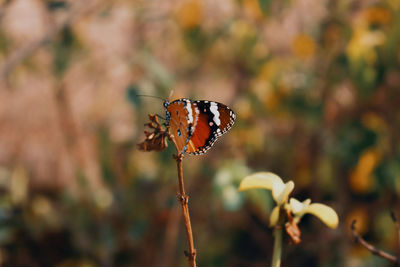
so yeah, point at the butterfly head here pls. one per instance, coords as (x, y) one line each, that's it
(166, 103)
(168, 114)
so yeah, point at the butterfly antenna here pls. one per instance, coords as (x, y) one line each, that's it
(170, 94)
(159, 116)
(152, 96)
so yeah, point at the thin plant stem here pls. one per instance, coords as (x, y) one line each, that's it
(277, 253)
(184, 199)
(156, 140)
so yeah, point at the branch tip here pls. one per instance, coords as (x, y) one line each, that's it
(358, 239)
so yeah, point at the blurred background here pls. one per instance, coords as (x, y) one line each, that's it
(314, 84)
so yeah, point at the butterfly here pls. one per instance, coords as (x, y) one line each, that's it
(196, 125)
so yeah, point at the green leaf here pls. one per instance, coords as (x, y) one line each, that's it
(63, 50)
(132, 95)
(264, 5)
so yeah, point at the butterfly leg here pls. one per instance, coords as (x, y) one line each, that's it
(161, 117)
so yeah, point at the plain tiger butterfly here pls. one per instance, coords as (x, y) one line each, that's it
(196, 125)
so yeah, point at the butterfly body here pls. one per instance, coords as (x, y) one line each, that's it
(196, 125)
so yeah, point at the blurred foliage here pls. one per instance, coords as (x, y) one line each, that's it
(314, 84)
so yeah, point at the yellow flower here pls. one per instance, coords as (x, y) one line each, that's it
(298, 208)
(377, 15)
(280, 193)
(241, 30)
(325, 213)
(394, 4)
(363, 42)
(269, 181)
(361, 177)
(252, 9)
(303, 46)
(373, 121)
(189, 14)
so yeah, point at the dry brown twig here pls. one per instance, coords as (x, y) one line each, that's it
(156, 141)
(373, 249)
(292, 229)
(397, 223)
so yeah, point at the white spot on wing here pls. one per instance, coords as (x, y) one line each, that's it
(188, 107)
(214, 110)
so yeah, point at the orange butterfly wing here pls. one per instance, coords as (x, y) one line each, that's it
(214, 120)
(196, 125)
(182, 120)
